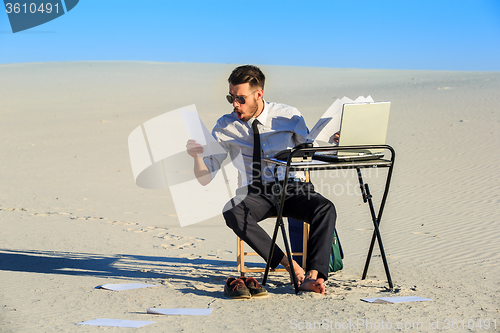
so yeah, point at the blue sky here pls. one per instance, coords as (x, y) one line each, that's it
(397, 34)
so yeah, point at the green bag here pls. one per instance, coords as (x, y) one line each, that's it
(295, 229)
(336, 255)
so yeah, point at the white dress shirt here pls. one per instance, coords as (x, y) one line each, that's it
(280, 127)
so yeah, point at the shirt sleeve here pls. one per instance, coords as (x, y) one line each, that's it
(300, 132)
(214, 162)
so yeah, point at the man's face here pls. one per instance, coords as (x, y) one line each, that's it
(252, 96)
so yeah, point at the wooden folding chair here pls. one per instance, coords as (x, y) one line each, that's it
(241, 253)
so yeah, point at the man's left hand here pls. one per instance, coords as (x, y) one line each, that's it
(336, 137)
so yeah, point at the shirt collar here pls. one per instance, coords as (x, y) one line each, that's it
(263, 116)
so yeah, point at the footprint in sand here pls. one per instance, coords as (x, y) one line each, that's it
(122, 223)
(56, 213)
(223, 252)
(157, 231)
(174, 241)
(152, 229)
(179, 247)
(13, 209)
(424, 233)
(87, 218)
(207, 287)
(52, 214)
(190, 244)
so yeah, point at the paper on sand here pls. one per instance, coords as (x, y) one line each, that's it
(178, 312)
(124, 286)
(400, 299)
(117, 322)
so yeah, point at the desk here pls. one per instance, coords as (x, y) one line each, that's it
(280, 196)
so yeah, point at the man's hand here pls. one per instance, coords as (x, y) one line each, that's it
(336, 137)
(193, 148)
(200, 169)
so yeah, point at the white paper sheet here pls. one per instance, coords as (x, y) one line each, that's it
(400, 299)
(329, 123)
(124, 286)
(194, 125)
(117, 323)
(167, 134)
(179, 312)
(211, 146)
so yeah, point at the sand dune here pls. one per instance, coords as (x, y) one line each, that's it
(72, 217)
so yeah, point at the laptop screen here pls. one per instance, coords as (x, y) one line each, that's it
(364, 124)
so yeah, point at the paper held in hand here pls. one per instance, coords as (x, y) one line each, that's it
(329, 123)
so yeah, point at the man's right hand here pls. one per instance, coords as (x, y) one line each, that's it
(193, 148)
(200, 169)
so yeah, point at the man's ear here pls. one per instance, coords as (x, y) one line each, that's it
(260, 93)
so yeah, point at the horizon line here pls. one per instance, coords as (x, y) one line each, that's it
(237, 64)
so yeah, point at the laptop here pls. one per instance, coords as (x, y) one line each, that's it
(361, 124)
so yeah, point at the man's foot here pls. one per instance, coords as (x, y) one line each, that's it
(315, 285)
(299, 271)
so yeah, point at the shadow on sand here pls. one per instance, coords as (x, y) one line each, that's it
(117, 266)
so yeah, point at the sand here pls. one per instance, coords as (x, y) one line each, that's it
(72, 217)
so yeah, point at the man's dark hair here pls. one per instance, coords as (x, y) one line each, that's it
(247, 74)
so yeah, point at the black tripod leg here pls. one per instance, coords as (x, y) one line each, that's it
(368, 257)
(379, 238)
(365, 192)
(278, 194)
(361, 185)
(290, 259)
(372, 243)
(279, 224)
(271, 251)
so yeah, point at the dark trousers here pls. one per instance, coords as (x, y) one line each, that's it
(243, 213)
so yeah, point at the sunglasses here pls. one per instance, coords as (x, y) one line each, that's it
(239, 99)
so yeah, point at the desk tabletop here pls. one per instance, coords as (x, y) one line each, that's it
(320, 165)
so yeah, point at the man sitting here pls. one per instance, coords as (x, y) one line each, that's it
(270, 128)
